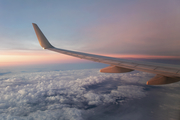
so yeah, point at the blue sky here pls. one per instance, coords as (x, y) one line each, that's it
(133, 27)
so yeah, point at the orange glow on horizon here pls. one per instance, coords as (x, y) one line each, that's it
(143, 56)
(25, 58)
(16, 59)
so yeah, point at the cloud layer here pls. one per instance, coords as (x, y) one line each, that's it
(85, 95)
(64, 94)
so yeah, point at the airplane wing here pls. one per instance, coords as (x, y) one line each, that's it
(165, 73)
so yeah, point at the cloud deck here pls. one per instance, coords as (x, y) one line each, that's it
(63, 94)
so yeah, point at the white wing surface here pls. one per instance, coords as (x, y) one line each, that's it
(165, 73)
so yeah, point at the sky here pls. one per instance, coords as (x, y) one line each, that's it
(119, 28)
(57, 86)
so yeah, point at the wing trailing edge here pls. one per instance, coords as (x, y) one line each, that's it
(165, 74)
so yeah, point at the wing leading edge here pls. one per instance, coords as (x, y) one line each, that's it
(165, 74)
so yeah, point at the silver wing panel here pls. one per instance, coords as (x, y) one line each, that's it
(129, 64)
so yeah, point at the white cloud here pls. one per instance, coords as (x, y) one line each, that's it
(63, 94)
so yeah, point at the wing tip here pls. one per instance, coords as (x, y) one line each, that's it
(41, 38)
(34, 24)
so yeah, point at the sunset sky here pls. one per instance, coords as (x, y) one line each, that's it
(118, 28)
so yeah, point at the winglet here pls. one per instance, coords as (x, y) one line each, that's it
(41, 38)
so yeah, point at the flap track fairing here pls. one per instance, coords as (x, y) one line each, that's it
(115, 69)
(160, 80)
